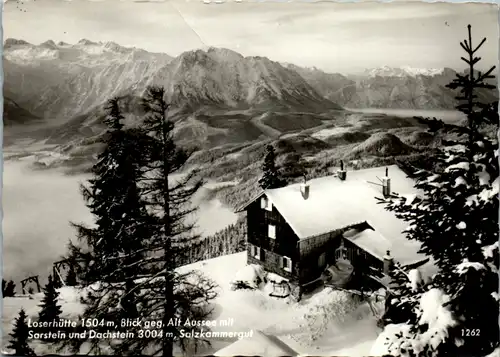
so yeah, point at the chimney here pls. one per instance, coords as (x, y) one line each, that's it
(388, 262)
(386, 184)
(342, 173)
(304, 189)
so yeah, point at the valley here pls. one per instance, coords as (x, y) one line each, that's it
(225, 106)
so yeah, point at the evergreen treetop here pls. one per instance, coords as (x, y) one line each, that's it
(455, 220)
(71, 278)
(19, 336)
(270, 175)
(111, 248)
(50, 310)
(152, 288)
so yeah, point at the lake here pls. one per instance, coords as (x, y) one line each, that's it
(38, 207)
(445, 115)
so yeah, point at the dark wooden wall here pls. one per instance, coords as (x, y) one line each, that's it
(285, 243)
(305, 253)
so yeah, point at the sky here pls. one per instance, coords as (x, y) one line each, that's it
(335, 37)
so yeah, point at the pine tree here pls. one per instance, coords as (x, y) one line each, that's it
(181, 295)
(50, 310)
(19, 337)
(456, 223)
(152, 289)
(113, 251)
(56, 281)
(110, 249)
(71, 279)
(270, 176)
(10, 289)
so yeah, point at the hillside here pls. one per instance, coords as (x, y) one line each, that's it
(58, 81)
(13, 114)
(225, 104)
(330, 322)
(76, 78)
(386, 87)
(217, 96)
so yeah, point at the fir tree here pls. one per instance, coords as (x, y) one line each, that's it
(110, 249)
(456, 222)
(50, 310)
(113, 251)
(10, 289)
(270, 174)
(71, 279)
(56, 281)
(19, 337)
(179, 295)
(152, 289)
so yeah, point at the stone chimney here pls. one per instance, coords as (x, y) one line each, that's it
(388, 262)
(342, 174)
(386, 184)
(304, 189)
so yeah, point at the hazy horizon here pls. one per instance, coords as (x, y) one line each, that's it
(335, 37)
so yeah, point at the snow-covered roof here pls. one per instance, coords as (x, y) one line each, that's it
(334, 204)
(259, 344)
(377, 245)
(370, 241)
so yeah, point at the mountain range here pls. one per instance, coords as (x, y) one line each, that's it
(213, 93)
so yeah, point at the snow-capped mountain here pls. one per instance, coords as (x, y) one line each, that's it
(62, 80)
(69, 84)
(386, 87)
(224, 77)
(59, 81)
(403, 71)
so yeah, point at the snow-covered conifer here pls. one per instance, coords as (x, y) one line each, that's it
(456, 222)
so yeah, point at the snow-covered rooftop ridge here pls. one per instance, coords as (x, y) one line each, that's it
(333, 204)
(259, 344)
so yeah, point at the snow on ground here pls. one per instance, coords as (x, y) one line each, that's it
(325, 133)
(325, 323)
(259, 344)
(437, 318)
(69, 300)
(320, 324)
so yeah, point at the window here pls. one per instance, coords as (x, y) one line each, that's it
(266, 204)
(286, 264)
(263, 202)
(257, 253)
(271, 231)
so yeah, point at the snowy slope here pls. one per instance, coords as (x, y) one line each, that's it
(329, 322)
(388, 87)
(62, 80)
(224, 77)
(57, 81)
(386, 71)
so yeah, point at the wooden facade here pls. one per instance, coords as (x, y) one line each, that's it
(268, 231)
(273, 244)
